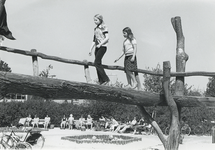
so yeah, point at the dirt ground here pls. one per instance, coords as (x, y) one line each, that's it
(149, 142)
(53, 141)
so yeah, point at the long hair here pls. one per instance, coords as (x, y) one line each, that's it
(100, 17)
(130, 35)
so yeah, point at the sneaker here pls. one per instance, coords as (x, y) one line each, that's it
(105, 83)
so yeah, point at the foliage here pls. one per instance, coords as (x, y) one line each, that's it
(153, 83)
(4, 66)
(210, 91)
(46, 72)
(193, 116)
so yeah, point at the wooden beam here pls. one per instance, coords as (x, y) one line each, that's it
(50, 88)
(83, 63)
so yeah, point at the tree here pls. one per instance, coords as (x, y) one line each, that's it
(46, 72)
(210, 90)
(4, 66)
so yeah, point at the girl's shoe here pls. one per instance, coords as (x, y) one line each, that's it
(134, 86)
(105, 83)
(128, 86)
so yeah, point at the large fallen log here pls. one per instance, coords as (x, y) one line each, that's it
(49, 88)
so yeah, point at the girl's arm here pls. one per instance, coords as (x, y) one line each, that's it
(104, 41)
(91, 48)
(135, 52)
(119, 57)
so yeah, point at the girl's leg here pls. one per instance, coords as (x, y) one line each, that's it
(128, 79)
(99, 53)
(133, 79)
(138, 81)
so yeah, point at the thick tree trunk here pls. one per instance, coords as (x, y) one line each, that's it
(181, 56)
(174, 133)
(181, 59)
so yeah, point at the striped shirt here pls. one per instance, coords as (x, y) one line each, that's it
(99, 34)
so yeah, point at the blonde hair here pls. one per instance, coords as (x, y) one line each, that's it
(100, 17)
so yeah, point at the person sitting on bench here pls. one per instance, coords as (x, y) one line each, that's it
(63, 122)
(35, 121)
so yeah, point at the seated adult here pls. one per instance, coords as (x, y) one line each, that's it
(129, 125)
(121, 126)
(82, 122)
(47, 121)
(140, 125)
(22, 122)
(107, 123)
(89, 122)
(71, 121)
(35, 121)
(102, 118)
(113, 124)
(63, 122)
(102, 122)
(28, 120)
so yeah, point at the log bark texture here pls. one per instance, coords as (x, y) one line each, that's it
(85, 62)
(51, 88)
(181, 56)
(174, 133)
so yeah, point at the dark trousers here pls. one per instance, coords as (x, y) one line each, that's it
(99, 53)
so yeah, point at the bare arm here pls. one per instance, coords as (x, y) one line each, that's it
(91, 48)
(119, 57)
(135, 52)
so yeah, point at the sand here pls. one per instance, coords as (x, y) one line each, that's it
(53, 141)
(149, 142)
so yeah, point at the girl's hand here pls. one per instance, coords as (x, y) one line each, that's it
(90, 53)
(132, 59)
(115, 60)
(98, 46)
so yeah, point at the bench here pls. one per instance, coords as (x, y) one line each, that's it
(40, 122)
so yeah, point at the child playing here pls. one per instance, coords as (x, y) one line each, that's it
(130, 62)
(100, 43)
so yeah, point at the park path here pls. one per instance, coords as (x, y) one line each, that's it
(53, 141)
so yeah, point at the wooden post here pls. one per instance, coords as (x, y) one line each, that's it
(35, 63)
(181, 59)
(87, 72)
(213, 134)
(181, 56)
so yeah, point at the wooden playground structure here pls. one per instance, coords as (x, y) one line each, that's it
(50, 88)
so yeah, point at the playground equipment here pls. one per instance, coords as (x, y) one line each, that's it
(62, 89)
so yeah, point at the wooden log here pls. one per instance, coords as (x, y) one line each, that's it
(181, 56)
(87, 73)
(51, 88)
(213, 134)
(154, 124)
(120, 68)
(174, 133)
(35, 64)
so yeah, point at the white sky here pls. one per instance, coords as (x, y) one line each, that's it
(64, 28)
